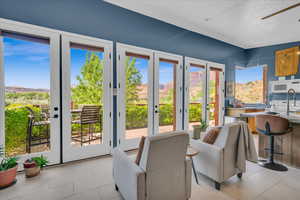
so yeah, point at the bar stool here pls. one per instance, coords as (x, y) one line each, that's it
(272, 125)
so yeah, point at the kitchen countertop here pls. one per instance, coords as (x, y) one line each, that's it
(293, 118)
(246, 108)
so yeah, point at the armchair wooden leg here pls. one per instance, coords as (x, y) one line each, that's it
(116, 187)
(239, 175)
(217, 185)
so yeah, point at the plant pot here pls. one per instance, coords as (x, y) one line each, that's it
(31, 169)
(8, 177)
(197, 132)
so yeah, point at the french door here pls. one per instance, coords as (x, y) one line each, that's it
(195, 92)
(87, 97)
(29, 92)
(204, 93)
(135, 98)
(215, 93)
(150, 93)
(167, 93)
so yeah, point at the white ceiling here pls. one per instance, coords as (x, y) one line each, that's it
(237, 22)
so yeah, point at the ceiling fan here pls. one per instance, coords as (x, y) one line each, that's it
(281, 11)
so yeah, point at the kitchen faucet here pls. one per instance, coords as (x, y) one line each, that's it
(291, 92)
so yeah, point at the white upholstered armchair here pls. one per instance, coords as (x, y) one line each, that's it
(218, 161)
(163, 172)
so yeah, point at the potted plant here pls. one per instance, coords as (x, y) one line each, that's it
(8, 170)
(198, 129)
(34, 165)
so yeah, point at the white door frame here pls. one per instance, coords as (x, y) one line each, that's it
(188, 63)
(179, 76)
(70, 152)
(221, 89)
(2, 94)
(54, 154)
(121, 79)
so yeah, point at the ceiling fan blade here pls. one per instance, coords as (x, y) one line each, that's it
(281, 11)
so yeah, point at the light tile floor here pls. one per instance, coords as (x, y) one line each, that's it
(92, 180)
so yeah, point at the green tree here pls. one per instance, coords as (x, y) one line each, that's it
(169, 98)
(90, 81)
(133, 79)
(89, 89)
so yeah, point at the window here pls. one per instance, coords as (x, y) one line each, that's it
(250, 84)
(27, 93)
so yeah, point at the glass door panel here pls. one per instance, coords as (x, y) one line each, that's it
(215, 96)
(29, 94)
(167, 96)
(135, 67)
(136, 91)
(196, 76)
(87, 95)
(168, 93)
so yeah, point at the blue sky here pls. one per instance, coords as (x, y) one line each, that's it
(165, 70)
(196, 69)
(166, 73)
(27, 64)
(249, 74)
(142, 66)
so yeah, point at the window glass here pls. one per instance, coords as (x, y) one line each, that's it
(27, 94)
(249, 85)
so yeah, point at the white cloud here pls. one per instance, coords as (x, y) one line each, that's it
(30, 49)
(37, 58)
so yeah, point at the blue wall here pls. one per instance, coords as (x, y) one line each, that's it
(100, 19)
(103, 20)
(266, 55)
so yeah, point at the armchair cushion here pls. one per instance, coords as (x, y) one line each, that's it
(211, 135)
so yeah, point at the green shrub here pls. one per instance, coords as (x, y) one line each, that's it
(195, 112)
(136, 116)
(16, 122)
(166, 114)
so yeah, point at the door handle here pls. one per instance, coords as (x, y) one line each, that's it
(55, 116)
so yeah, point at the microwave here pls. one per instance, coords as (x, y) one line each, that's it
(282, 86)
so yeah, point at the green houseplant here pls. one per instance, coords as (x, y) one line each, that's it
(34, 165)
(8, 169)
(198, 129)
